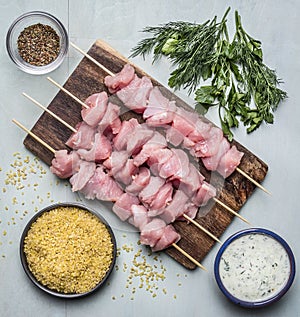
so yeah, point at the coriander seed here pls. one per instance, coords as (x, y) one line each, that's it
(38, 44)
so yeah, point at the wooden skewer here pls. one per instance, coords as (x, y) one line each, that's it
(188, 256)
(68, 93)
(112, 74)
(252, 180)
(54, 151)
(231, 210)
(201, 227)
(216, 200)
(93, 60)
(34, 136)
(74, 130)
(50, 112)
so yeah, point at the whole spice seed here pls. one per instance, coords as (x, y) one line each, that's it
(68, 250)
(38, 44)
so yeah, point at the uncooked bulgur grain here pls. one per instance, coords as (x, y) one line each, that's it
(69, 250)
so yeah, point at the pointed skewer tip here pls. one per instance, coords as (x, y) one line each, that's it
(189, 256)
(252, 180)
(201, 228)
(231, 210)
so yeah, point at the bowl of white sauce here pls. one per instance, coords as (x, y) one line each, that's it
(254, 267)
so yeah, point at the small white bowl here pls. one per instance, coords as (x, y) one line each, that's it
(254, 268)
(26, 20)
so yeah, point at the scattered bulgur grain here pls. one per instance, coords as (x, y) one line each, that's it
(69, 250)
(127, 248)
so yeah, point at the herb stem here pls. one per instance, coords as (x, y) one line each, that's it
(204, 51)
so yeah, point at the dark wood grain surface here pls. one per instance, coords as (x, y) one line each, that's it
(87, 79)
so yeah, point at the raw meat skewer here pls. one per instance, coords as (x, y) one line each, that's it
(54, 151)
(112, 74)
(74, 130)
(215, 199)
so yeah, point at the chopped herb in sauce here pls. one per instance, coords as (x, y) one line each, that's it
(254, 267)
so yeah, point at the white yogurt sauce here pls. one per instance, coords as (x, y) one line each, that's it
(254, 267)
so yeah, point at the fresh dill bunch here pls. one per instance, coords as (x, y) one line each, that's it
(242, 87)
(189, 46)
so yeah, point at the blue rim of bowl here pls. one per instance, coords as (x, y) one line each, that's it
(32, 69)
(45, 288)
(269, 300)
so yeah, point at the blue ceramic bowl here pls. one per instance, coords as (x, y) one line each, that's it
(249, 262)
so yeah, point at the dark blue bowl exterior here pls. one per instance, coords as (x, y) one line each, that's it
(25, 264)
(269, 300)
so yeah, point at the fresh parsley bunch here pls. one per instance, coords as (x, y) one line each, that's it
(241, 85)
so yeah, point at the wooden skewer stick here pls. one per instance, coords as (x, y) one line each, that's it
(231, 210)
(54, 151)
(112, 74)
(216, 200)
(68, 93)
(188, 256)
(93, 60)
(201, 227)
(50, 112)
(74, 130)
(252, 180)
(34, 136)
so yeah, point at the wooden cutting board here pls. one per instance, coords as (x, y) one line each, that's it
(87, 79)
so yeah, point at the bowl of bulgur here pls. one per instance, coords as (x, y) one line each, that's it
(68, 250)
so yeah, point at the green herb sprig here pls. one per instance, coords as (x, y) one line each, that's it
(241, 85)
